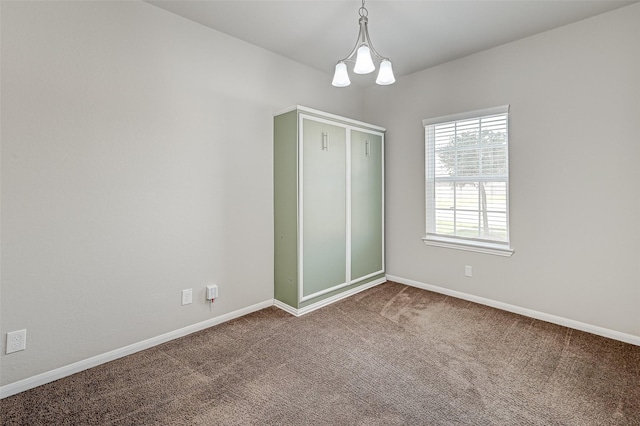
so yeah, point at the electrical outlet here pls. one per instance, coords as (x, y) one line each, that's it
(16, 341)
(187, 296)
(468, 271)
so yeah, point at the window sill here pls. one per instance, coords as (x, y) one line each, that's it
(475, 246)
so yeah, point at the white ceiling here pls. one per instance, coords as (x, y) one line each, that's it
(414, 34)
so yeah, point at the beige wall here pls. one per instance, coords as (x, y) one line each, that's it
(575, 170)
(136, 162)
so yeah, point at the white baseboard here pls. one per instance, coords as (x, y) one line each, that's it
(593, 329)
(328, 300)
(58, 373)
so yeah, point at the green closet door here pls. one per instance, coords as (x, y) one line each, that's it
(324, 206)
(366, 204)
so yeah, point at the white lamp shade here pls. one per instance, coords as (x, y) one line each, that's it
(385, 75)
(364, 63)
(341, 77)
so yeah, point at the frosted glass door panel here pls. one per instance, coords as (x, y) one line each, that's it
(366, 204)
(324, 206)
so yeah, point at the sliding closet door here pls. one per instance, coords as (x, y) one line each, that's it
(324, 207)
(367, 240)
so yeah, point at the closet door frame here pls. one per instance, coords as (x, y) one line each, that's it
(300, 214)
(355, 280)
(332, 208)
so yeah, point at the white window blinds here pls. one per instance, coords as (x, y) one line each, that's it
(467, 177)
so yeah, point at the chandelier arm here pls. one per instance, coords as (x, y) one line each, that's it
(362, 38)
(349, 57)
(377, 56)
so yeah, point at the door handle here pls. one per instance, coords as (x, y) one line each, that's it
(325, 141)
(367, 148)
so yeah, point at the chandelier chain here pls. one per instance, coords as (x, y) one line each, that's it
(363, 12)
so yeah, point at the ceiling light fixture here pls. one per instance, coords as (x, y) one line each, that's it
(363, 62)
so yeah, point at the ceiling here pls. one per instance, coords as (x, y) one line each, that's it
(414, 34)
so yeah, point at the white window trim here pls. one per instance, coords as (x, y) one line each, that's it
(470, 245)
(458, 243)
(503, 109)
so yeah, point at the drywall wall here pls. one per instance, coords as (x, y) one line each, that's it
(574, 160)
(136, 162)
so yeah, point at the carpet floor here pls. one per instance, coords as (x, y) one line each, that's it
(391, 355)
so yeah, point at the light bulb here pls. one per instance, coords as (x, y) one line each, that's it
(341, 77)
(385, 75)
(364, 63)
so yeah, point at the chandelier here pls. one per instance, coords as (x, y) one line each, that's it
(363, 62)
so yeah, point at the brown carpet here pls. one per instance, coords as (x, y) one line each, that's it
(390, 355)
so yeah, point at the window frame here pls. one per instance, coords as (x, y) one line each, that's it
(500, 248)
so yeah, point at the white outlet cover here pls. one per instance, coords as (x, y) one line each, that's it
(16, 341)
(468, 271)
(212, 292)
(187, 296)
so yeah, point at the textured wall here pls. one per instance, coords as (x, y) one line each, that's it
(574, 153)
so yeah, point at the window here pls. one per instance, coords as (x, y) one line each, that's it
(467, 181)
